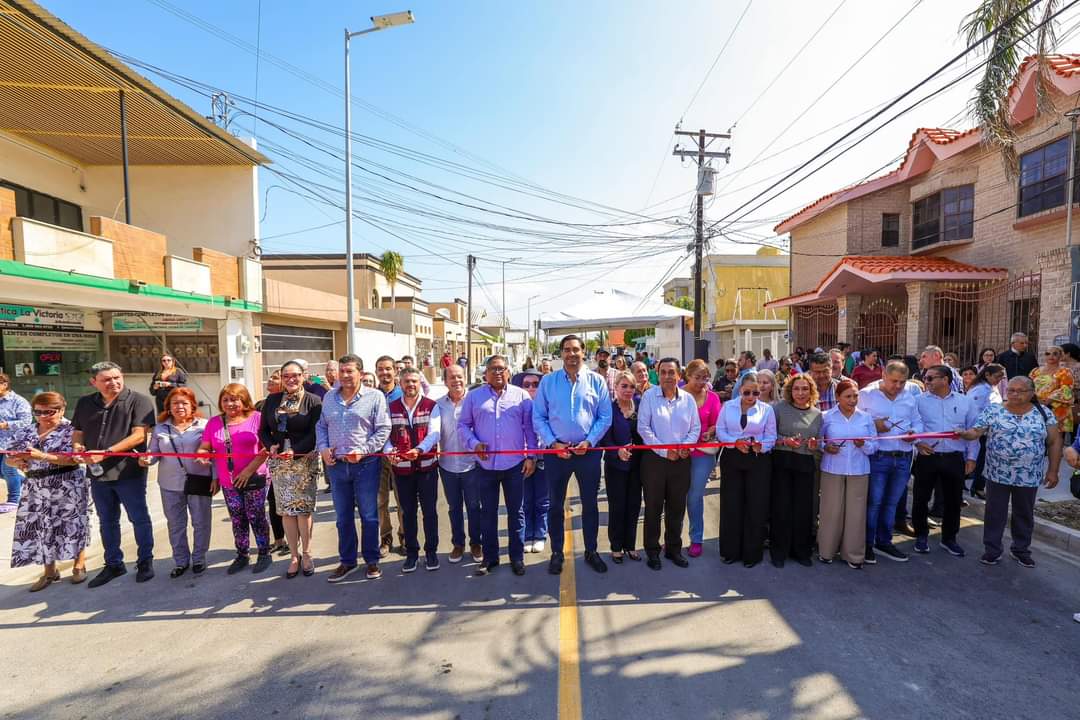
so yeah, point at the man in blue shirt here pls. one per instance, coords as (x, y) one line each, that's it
(947, 461)
(572, 411)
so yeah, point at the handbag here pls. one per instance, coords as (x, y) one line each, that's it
(1074, 484)
(255, 482)
(194, 483)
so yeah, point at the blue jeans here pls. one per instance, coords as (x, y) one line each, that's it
(558, 471)
(889, 476)
(462, 495)
(700, 469)
(355, 486)
(14, 479)
(419, 491)
(537, 504)
(512, 484)
(109, 497)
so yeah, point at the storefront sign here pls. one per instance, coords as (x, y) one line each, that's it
(147, 322)
(55, 341)
(24, 315)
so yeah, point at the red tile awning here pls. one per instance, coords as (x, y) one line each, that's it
(862, 274)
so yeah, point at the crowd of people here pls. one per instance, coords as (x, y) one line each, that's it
(814, 452)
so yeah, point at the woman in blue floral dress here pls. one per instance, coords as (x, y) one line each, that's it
(53, 519)
(1021, 436)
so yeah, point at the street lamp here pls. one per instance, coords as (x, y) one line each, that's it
(378, 22)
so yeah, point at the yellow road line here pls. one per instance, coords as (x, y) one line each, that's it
(569, 655)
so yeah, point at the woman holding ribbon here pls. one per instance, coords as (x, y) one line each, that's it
(791, 492)
(622, 470)
(702, 462)
(53, 519)
(850, 439)
(184, 484)
(746, 471)
(287, 430)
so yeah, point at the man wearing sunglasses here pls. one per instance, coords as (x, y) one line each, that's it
(497, 418)
(947, 461)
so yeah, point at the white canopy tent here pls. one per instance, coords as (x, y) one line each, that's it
(612, 309)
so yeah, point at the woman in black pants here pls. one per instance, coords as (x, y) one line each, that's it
(798, 424)
(622, 476)
(745, 472)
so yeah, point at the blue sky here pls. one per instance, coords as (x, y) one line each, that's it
(577, 97)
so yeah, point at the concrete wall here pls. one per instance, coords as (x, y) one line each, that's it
(214, 206)
(825, 240)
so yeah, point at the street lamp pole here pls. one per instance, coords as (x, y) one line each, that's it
(378, 22)
(528, 324)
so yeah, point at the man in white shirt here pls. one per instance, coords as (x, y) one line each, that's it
(894, 412)
(667, 415)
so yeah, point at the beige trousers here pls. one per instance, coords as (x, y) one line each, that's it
(386, 484)
(843, 517)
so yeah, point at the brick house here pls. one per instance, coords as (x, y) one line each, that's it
(947, 248)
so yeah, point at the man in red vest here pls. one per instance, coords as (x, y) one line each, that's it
(414, 433)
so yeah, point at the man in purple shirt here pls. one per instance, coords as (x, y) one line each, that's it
(497, 416)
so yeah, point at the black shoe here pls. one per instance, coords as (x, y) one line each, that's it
(678, 559)
(981, 494)
(109, 572)
(777, 563)
(409, 565)
(749, 564)
(518, 567)
(904, 529)
(178, 571)
(144, 571)
(198, 568)
(891, 552)
(238, 564)
(654, 562)
(262, 562)
(728, 561)
(933, 521)
(555, 563)
(593, 560)
(617, 559)
(870, 558)
(805, 562)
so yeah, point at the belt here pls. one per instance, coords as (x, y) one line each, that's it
(894, 453)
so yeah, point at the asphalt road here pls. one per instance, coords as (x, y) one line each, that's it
(936, 637)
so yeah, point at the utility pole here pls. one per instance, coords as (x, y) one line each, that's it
(471, 263)
(700, 154)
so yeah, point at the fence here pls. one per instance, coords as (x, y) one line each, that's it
(966, 317)
(879, 326)
(816, 326)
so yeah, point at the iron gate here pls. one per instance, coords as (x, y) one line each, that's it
(879, 327)
(966, 317)
(816, 326)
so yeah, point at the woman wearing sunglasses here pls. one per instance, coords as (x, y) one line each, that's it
(53, 519)
(535, 497)
(745, 471)
(287, 430)
(845, 473)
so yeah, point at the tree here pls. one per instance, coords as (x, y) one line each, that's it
(685, 302)
(392, 265)
(631, 335)
(1022, 28)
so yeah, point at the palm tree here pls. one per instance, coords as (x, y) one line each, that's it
(1023, 28)
(391, 264)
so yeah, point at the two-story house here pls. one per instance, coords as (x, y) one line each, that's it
(949, 248)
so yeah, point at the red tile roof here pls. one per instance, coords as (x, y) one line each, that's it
(882, 264)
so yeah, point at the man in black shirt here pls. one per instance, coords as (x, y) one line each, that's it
(116, 419)
(1017, 360)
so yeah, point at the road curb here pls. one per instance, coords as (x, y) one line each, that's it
(1063, 538)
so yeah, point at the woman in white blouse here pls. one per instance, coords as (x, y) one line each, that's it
(745, 471)
(845, 469)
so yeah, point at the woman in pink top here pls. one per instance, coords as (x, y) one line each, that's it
(702, 462)
(240, 471)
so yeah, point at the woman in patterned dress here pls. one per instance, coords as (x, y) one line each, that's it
(1023, 450)
(1054, 387)
(53, 519)
(287, 431)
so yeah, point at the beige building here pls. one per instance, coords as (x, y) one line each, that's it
(948, 248)
(676, 288)
(737, 289)
(181, 275)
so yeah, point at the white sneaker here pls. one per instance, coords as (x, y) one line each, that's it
(1076, 617)
(528, 546)
(538, 546)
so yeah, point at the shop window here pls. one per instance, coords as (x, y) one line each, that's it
(943, 217)
(890, 230)
(141, 354)
(45, 208)
(1043, 177)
